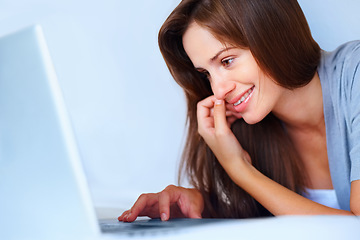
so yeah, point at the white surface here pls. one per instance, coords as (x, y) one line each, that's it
(127, 112)
(284, 227)
(321, 227)
(280, 228)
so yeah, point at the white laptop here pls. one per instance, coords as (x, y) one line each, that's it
(43, 189)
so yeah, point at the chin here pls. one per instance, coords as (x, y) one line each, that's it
(251, 119)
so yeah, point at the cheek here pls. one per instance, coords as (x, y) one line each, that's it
(267, 89)
(251, 73)
(268, 99)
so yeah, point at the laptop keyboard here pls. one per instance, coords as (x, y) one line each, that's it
(153, 226)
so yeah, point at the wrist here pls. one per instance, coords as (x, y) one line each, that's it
(242, 172)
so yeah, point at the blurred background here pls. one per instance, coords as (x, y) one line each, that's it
(127, 112)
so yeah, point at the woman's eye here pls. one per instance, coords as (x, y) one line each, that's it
(227, 62)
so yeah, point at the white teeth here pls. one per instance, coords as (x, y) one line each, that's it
(246, 95)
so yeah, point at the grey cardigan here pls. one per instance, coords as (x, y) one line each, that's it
(339, 73)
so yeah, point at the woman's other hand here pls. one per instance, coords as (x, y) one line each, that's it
(214, 122)
(172, 202)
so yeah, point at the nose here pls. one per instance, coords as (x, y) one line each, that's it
(221, 86)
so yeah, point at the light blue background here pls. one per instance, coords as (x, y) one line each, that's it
(128, 113)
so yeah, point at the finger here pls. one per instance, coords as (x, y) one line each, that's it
(189, 210)
(194, 213)
(122, 216)
(204, 118)
(220, 121)
(145, 200)
(170, 195)
(228, 113)
(191, 203)
(183, 205)
(164, 205)
(204, 110)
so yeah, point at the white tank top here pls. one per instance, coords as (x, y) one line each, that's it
(325, 197)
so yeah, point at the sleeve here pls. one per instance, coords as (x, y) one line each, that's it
(354, 104)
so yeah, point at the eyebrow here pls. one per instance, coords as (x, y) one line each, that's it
(216, 56)
(220, 52)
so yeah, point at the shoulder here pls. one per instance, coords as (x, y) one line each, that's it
(346, 53)
(340, 68)
(348, 49)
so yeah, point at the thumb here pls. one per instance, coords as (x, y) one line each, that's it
(220, 122)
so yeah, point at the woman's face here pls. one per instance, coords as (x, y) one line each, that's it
(233, 73)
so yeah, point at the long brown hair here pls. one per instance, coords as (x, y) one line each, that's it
(277, 34)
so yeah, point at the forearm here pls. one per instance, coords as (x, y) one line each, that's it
(276, 198)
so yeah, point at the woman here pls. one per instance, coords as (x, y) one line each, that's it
(273, 121)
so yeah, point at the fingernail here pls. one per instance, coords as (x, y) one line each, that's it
(218, 102)
(163, 217)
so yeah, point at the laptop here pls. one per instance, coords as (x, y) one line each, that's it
(43, 188)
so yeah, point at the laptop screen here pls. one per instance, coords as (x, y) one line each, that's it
(43, 191)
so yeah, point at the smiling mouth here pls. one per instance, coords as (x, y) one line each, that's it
(244, 97)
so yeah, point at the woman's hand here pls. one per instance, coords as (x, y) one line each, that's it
(214, 121)
(172, 202)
